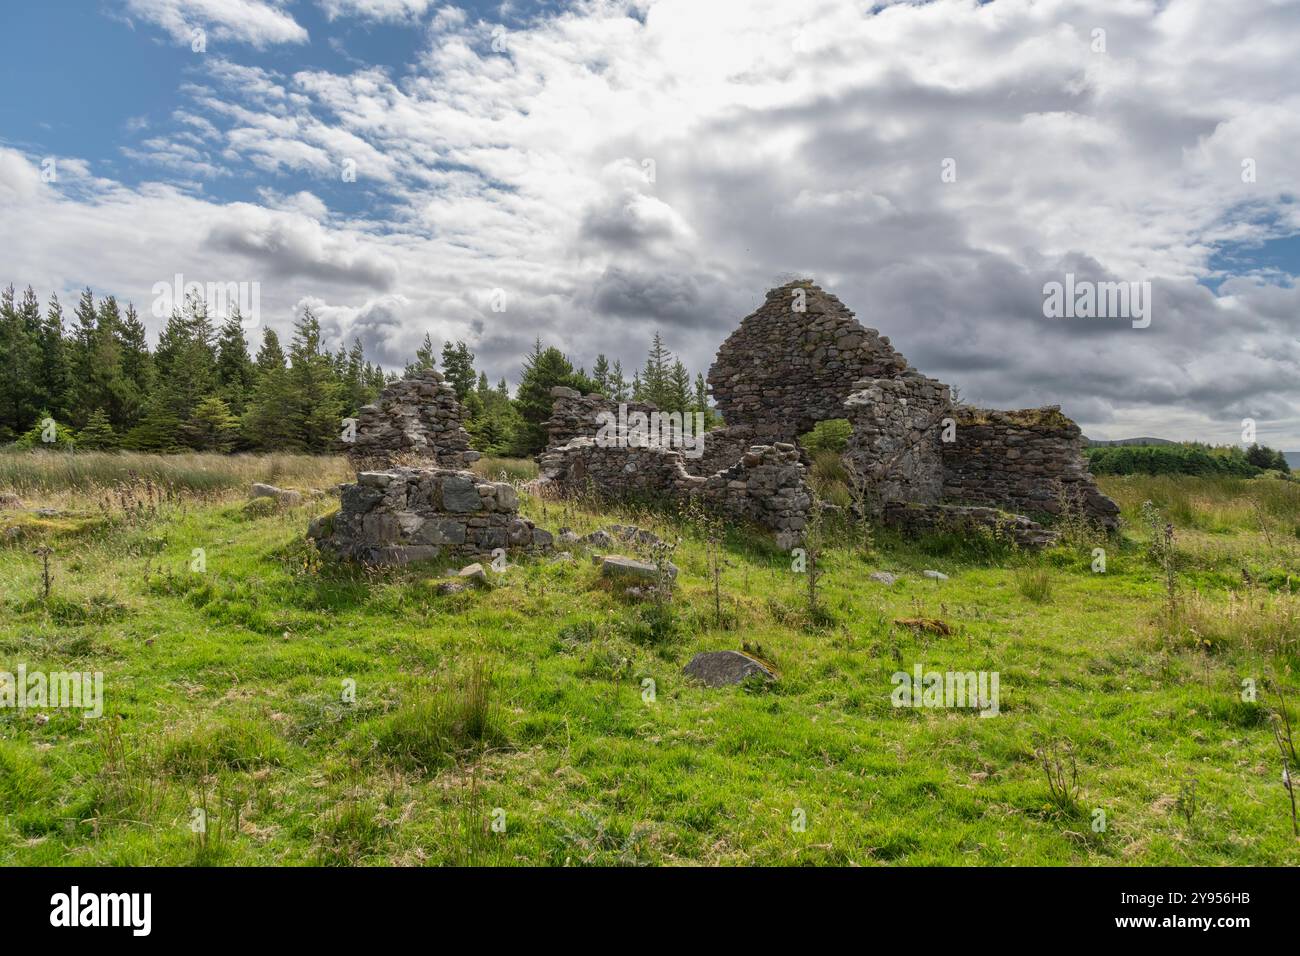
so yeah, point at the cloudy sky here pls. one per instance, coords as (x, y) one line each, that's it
(606, 169)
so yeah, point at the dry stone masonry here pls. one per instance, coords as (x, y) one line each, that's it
(895, 442)
(766, 485)
(419, 514)
(1030, 460)
(925, 463)
(793, 362)
(417, 419)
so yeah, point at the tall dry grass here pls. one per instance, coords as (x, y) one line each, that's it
(44, 473)
(1214, 504)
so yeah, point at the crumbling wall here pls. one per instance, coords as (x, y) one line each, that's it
(1025, 461)
(784, 370)
(574, 415)
(584, 466)
(418, 419)
(766, 486)
(418, 514)
(895, 444)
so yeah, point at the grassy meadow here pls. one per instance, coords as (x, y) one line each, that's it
(309, 713)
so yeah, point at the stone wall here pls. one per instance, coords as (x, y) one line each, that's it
(766, 485)
(418, 514)
(787, 370)
(1021, 460)
(584, 467)
(894, 447)
(416, 420)
(574, 415)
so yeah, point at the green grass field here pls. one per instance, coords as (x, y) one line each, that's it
(515, 724)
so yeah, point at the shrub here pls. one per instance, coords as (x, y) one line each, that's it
(831, 435)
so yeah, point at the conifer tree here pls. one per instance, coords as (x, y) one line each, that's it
(315, 406)
(98, 435)
(17, 362)
(458, 368)
(53, 378)
(426, 356)
(234, 367)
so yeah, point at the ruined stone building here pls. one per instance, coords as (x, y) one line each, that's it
(920, 461)
(924, 461)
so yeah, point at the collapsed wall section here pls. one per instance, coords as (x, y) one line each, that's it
(418, 514)
(417, 419)
(766, 486)
(1030, 461)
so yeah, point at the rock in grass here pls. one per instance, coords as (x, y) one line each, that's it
(883, 577)
(473, 574)
(936, 575)
(720, 668)
(618, 567)
(10, 500)
(598, 539)
(928, 625)
(282, 496)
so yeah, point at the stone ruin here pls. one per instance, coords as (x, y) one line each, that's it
(413, 500)
(919, 461)
(418, 514)
(416, 420)
(802, 358)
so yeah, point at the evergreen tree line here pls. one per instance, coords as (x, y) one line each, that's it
(92, 382)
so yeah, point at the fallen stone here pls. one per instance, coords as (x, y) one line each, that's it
(935, 575)
(473, 573)
(720, 668)
(634, 535)
(620, 567)
(282, 496)
(599, 539)
(883, 577)
(928, 625)
(10, 500)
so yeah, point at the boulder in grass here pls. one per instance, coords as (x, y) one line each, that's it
(620, 568)
(282, 496)
(935, 575)
(883, 577)
(10, 500)
(721, 668)
(473, 574)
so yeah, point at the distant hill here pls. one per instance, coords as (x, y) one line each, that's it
(1099, 443)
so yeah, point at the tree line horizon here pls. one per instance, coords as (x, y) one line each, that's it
(92, 382)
